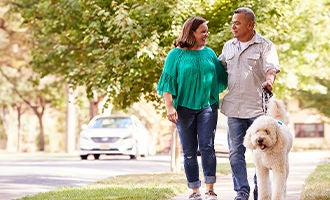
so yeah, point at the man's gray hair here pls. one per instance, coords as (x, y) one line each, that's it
(249, 14)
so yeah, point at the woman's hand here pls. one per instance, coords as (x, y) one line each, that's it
(172, 115)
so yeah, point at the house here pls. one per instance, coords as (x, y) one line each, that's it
(311, 129)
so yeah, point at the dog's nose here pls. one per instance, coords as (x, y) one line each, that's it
(260, 140)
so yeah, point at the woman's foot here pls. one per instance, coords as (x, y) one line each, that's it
(195, 196)
(210, 195)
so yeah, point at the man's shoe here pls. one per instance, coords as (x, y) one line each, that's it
(242, 196)
(195, 196)
(210, 195)
(255, 193)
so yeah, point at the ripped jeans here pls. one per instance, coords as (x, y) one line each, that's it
(197, 128)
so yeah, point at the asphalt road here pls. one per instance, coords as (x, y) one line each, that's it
(28, 174)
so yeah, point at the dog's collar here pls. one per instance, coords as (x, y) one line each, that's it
(280, 122)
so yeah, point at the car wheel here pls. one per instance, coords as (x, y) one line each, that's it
(144, 153)
(135, 152)
(83, 157)
(96, 156)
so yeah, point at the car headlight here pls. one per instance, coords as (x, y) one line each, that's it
(130, 136)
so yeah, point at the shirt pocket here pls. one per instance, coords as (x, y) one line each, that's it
(230, 57)
(230, 61)
(253, 61)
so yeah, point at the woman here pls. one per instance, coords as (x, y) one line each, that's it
(190, 83)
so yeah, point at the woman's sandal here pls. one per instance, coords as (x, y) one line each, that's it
(195, 196)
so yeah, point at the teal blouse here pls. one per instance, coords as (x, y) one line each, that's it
(193, 77)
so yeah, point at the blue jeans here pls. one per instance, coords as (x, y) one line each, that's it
(236, 131)
(197, 128)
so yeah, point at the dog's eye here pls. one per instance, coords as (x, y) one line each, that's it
(267, 132)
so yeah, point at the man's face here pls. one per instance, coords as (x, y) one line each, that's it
(241, 27)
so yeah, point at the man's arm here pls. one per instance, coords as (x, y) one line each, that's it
(270, 79)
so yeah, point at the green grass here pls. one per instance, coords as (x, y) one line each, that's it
(141, 186)
(110, 191)
(317, 185)
(144, 186)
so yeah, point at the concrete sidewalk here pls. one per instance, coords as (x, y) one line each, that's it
(301, 165)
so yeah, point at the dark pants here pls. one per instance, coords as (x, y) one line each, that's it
(236, 132)
(197, 129)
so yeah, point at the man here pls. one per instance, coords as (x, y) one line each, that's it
(252, 64)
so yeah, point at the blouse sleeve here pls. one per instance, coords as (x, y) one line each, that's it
(168, 78)
(222, 77)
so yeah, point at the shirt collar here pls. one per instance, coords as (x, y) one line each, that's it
(256, 39)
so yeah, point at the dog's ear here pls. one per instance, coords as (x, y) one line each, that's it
(247, 139)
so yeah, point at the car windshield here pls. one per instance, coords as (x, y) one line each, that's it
(112, 122)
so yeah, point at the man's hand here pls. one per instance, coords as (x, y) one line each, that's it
(267, 84)
(270, 79)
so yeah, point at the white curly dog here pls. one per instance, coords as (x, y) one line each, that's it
(271, 142)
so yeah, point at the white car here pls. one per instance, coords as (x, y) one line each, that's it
(114, 135)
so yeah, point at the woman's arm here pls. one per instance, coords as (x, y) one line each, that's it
(172, 115)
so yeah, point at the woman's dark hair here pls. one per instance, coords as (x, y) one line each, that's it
(187, 39)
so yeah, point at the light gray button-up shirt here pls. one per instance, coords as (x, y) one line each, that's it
(246, 72)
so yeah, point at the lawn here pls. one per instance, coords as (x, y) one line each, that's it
(317, 185)
(154, 186)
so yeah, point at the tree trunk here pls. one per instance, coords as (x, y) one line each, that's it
(8, 118)
(18, 108)
(41, 137)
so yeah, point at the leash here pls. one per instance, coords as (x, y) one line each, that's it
(266, 95)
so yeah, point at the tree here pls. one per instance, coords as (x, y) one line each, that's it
(115, 48)
(24, 89)
(11, 55)
(304, 54)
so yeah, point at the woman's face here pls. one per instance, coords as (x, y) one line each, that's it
(201, 34)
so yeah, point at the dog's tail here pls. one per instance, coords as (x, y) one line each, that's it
(276, 109)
